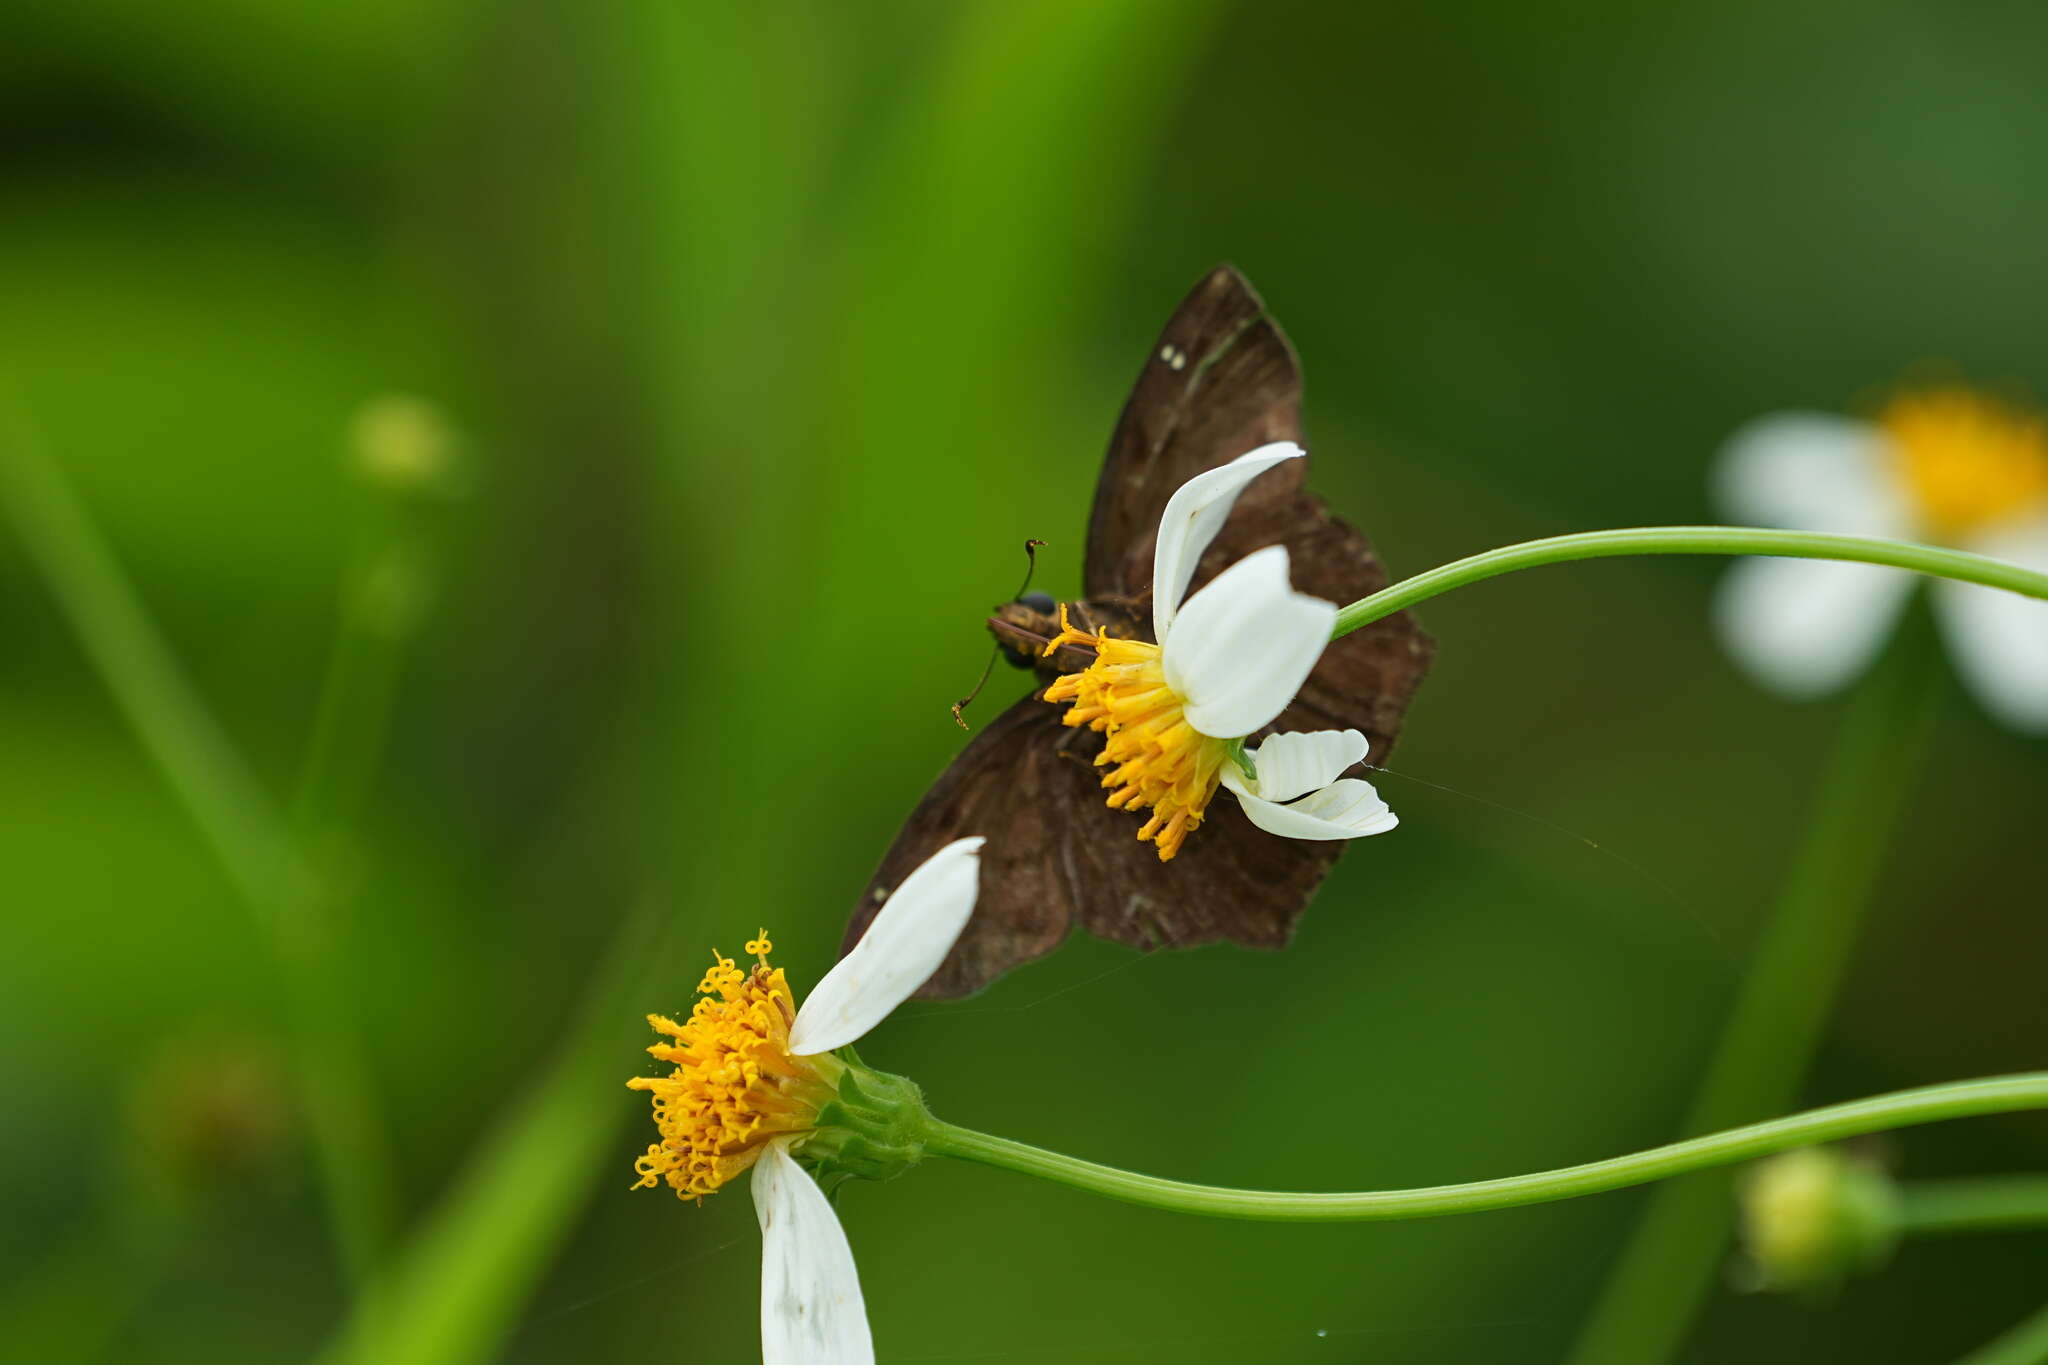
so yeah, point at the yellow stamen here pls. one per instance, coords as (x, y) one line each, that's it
(735, 1084)
(1970, 460)
(1161, 762)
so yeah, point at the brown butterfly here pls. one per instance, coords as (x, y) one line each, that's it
(1221, 381)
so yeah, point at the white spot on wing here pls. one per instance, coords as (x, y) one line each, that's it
(1174, 357)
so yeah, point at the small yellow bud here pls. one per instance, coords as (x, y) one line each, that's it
(405, 444)
(1813, 1216)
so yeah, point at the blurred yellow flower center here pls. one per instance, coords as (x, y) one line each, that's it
(1157, 760)
(735, 1085)
(1971, 461)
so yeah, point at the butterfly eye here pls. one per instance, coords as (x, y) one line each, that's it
(1039, 601)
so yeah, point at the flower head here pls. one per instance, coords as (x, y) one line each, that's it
(1228, 661)
(754, 1084)
(1944, 465)
(1158, 761)
(736, 1085)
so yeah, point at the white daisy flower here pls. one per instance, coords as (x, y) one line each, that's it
(1943, 466)
(1227, 662)
(752, 1075)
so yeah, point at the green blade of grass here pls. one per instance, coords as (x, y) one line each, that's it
(2024, 1344)
(459, 1285)
(235, 816)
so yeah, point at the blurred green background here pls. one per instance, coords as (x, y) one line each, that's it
(772, 331)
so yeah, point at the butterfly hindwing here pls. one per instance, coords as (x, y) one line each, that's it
(1231, 883)
(1009, 783)
(1054, 858)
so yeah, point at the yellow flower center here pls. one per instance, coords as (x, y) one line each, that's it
(1156, 760)
(1969, 460)
(735, 1085)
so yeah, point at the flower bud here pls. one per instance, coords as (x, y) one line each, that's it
(404, 444)
(1813, 1216)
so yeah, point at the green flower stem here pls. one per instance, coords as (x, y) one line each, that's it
(380, 609)
(2025, 1344)
(1959, 1099)
(382, 601)
(207, 775)
(1981, 1204)
(1667, 1267)
(1689, 540)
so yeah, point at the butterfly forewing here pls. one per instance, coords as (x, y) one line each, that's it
(1221, 380)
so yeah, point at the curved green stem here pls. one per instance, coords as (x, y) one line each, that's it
(1991, 1203)
(1959, 1099)
(1689, 540)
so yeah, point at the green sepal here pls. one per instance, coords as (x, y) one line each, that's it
(1869, 1217)
(1242, 758)
(873, 1127)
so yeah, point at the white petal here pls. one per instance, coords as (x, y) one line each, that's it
(2000, 639)
(1814, 472)
(811, 1309)
(1299, 761)
(1347, 809)
(1804, 627)
(1193, 516)
(899, 952)
(1244, 645)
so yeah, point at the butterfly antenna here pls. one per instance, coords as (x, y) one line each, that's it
(1031, 549)
(981, 682)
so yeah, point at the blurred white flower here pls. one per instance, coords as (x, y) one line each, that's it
(1227, 662)
(1944, 466)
